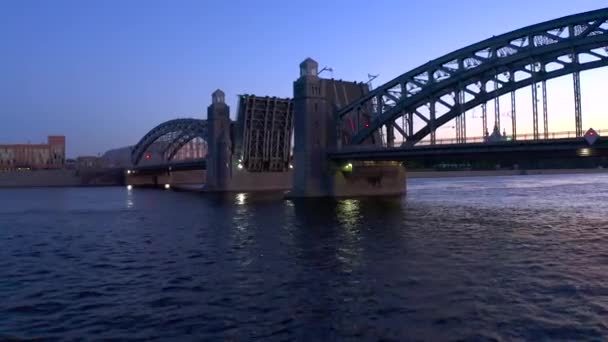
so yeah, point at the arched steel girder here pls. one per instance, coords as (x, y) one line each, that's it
(178, 126)
(482, 98)
(184, 138)
(477, 99)
(482, 62)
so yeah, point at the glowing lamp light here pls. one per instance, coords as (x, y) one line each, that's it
(128, 172)
(240, 166)
(348, 167)
(167, 186)
(584, 152)
(290, 166)
(129, 187)
(148, 156)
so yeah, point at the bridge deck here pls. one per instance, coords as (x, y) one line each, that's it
(179, 166)
(542, 149)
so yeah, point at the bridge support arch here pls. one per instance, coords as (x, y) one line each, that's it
(318, 131)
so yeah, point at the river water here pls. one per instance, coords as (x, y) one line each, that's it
(522, 257)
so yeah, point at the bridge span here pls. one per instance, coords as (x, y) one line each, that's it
(333, 122)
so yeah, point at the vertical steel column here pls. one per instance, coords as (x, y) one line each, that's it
(405, 117)
(534, 111)
(545, 111)
(484, 115)
(458, 121)
(458, 129)
(513, 110)
(578, 116)
(496, 105)
(432, 122)
(463, 124)
(390, 135)
(513, 116)
(410, 125)
(378, 111)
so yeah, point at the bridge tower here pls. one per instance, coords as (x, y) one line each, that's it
(317, 132)
(311, 125)
(219, 145)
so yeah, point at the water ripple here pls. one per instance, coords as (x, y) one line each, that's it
(502, 258)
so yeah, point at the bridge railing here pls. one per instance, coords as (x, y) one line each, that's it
(519, 137)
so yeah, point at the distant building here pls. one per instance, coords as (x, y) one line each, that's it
(34, 156)
(88, 162)
(70, 164)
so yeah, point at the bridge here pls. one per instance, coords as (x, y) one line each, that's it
(250, 154)
(549, 148)
(336, 124)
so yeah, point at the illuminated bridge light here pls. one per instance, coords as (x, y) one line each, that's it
(167, 186)
(584, 152)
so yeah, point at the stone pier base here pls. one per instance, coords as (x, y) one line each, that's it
(369, 180)
(174, 178)
(241, 180)
(357, 180)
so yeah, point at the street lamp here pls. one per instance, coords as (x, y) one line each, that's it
(325, 69)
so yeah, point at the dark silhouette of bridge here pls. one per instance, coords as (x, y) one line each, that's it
(335, 122)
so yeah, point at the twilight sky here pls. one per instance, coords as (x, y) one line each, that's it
(105, 72)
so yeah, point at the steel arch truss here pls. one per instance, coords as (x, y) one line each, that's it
(172, 136)
(447, 87)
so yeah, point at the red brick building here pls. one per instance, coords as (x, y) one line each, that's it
(34, 156)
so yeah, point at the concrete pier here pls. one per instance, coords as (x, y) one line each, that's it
(160, 180)
(317, 131)
(375, 179)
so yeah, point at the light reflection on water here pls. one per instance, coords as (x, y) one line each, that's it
(480, 258)
(130, 195)
(241, 198)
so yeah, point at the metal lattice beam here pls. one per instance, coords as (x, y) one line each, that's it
(266, 125)
(510, 61)
(175, 132)
(184, 138)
